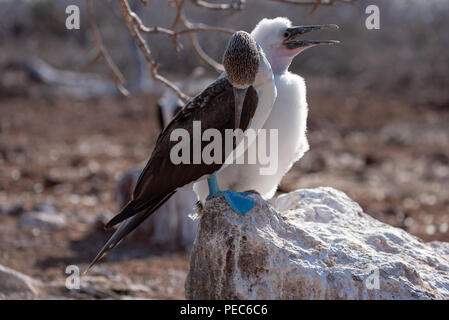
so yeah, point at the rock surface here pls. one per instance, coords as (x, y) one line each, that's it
(14, 284)
(311, 244)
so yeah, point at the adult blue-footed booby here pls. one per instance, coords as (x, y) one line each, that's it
(242, 97)
(280, 43)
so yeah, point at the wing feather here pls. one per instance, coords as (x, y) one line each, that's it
(214, 107)
(160, 179)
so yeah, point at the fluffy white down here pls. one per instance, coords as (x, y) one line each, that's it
(288, 116)
(268, 32)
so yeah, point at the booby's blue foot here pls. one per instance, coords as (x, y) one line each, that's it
(238, 201)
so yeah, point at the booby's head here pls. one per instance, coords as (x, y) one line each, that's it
(241, 60)
(279, 40)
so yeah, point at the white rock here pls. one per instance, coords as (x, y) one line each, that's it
(315, 244)
(16, 284)
(42, 220)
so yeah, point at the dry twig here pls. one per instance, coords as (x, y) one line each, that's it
(234, 5)
(137, 27)
(118, 76)
(314, 3)
(133, 22)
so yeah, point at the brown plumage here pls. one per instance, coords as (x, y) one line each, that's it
(161, 178)
(216, 108)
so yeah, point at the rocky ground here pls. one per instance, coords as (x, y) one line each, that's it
(60, 159)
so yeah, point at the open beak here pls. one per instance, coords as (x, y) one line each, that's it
(291, 34)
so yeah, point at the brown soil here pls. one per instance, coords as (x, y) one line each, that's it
(389, 152)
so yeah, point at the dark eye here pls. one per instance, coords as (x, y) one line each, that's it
(286, 34)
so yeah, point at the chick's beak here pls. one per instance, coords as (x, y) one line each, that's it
(291, 34)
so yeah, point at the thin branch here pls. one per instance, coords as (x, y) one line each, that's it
(192, 27)
(191, 30)
(235, 5)
(194, 42)
(97, 57)
(178, 5)
(118, 76)
(156, 30)
(202, 55)
(314, 3)
(132, 22)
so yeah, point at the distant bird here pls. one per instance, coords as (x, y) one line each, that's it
(242, 97)
(279, 40)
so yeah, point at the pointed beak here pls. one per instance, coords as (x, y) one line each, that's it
(239, 98)
(291, 34)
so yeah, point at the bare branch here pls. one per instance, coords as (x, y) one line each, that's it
(190, 29)
(156, 30)
(118, 76)
(97, 57)
(201, 27)
(203, 55)
(236, 5)
(178, 4)
(132, 20)
(314, 3)
(194, 42)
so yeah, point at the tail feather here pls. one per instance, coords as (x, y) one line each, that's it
(133, 207)
(126, 227)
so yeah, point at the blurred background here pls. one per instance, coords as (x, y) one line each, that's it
(378, 128)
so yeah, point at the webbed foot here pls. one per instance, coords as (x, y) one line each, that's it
(238, 201)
